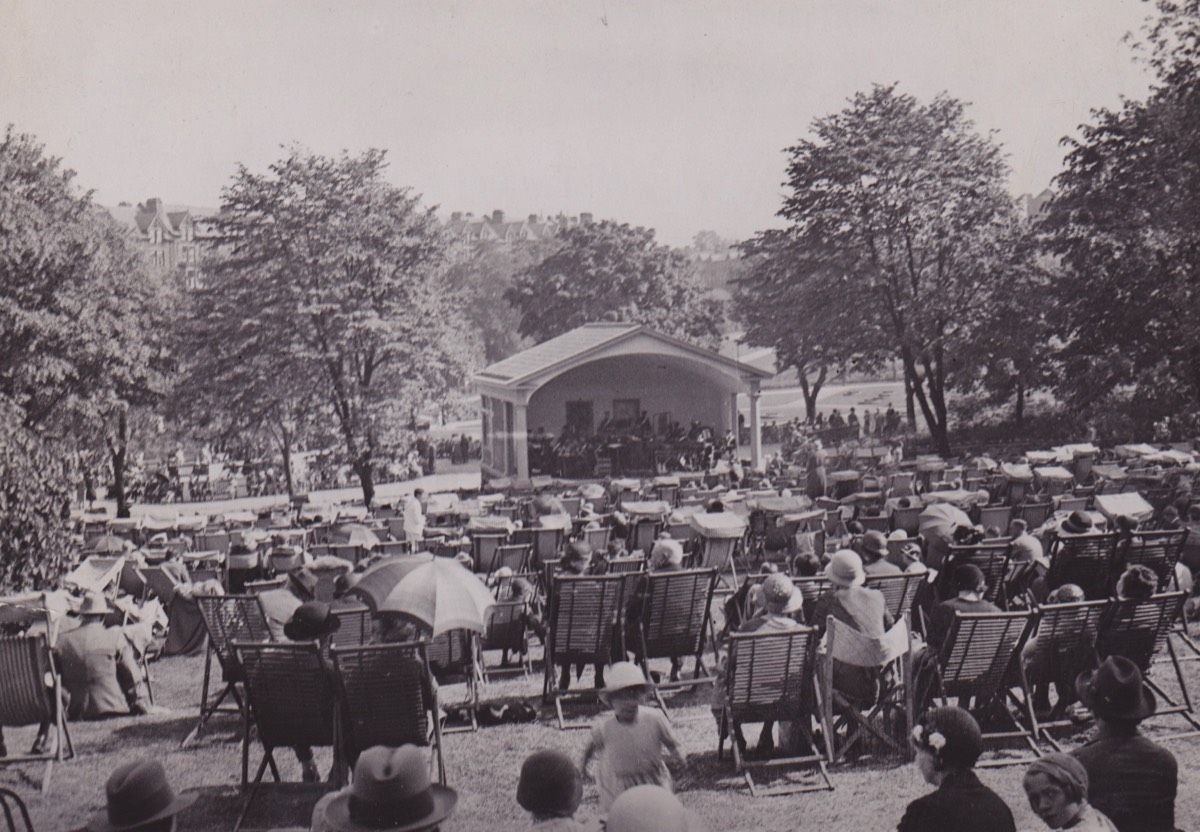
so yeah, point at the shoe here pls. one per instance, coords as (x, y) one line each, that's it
(311, 774)
(41, 745)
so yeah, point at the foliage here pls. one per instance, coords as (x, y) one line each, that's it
(901, 231)
(1124, 224)
(330, 288)
(608, 271)
(34, 543)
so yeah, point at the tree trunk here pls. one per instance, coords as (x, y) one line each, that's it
(811, 391)
(118, 450)
(286, 447)
(910, 408)
(365, 476)
(1019, 413)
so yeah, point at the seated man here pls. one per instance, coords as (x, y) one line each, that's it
(970, 585)
(874, 550)
(99, 667)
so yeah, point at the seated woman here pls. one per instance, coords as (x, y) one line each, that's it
(1057, 788)
(1044, 664)
(948, 743)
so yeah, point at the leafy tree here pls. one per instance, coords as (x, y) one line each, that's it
(611, 271)
(1124, 225)
(899, 209)
(333, 279)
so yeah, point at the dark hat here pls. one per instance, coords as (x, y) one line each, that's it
(391, 790)
(311, 620)
(1078, 522)
(138, 794)
(1115, 690)
(951, 735)
(550, 784)
(967, 577)
(874, 543)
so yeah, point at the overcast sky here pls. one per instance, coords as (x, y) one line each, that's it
(668, 114)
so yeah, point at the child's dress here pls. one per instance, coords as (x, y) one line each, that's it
(632, 755)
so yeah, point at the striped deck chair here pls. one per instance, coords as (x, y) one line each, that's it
(992, 559)
(673, 621)
(908, 519)
(898, 590)
(1139, 631)
(1085, 560)
(718, 553)
(26, 663)
(516, 556)
(227, 618)
(484, 547)
(1159, 551)
(974, 667)
(597, 538)
(584, 612)
(1034, 514)
(628, 565)
(770, 676)
(292, 699)
(454, 657)
(1062, 645)
(644, 533)
(505, 632)
(354, 624)
(388, 699)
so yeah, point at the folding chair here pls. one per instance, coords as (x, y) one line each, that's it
(876, 524)
(597, 538)
(1034, 514)
(265, 585)
(769, 676)
(227, 618)
(1084, 560)
(454, 657)
(547, 543)
(899, 591)
(584, 611)
(26, 664)
(516, 556)
(673, 621)
(1139, 631)
(811, 588)
(292, 698)
(998, 516)
(908, 519)
(506, 632)
(388, 699)
(159, 583)
(1062, 645)
(354, 624)
(1072, 503)
(992, 559)
(629, 565)
(718, 553)
(891, 656)
(645, 532)
(10, 801)
(1159, 551)
(484, 547)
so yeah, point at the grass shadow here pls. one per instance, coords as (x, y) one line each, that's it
(276, 806)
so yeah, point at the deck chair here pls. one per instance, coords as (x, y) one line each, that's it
(876, 524)
(354, 624)
(256, 587)
(644, 533)
(505, 632)
(1085, 560)
(1034, 514)
(97, 573)
(1139, 631)
(845, 723)
(1159, 551)
(516, 556)
(583, 612)
(216, 541)
(908, 519)
(812, 588)
(992, 559)
(998, 516)
(547, 544)
(770, 676)
(1072, 503)
(227, 618)
(157, 583)
(293, 702)
(718, 553)
(388, 699)
(624, 566)
(26, 664)
(898, 590)
(10, 803)
(674, 620)
(454, 657)
(1062, 645)
(483, 550)
(974, 664)
(597, 538)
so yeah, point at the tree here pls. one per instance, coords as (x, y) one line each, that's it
(611, 271)
(1124, 225)
(899, 208)
(334, 280)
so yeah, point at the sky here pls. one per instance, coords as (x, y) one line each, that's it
(665, 113)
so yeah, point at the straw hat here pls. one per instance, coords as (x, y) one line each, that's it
(391, 790)
(623, 675)
(780, 595)
(845, 569)
(138, 794)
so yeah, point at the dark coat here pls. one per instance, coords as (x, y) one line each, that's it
(1131, 779)
(960, 804)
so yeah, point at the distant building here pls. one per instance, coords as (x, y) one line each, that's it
(175, 238)
(1031, 207)
(467, 230)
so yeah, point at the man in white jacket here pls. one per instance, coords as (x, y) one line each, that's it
(414, 516)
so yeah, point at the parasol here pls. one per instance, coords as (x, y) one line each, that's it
(381, 578)
(355, 534)
(937, 524)
(443, 595)
(108, 544)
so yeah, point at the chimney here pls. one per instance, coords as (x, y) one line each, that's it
(497, 216)
(585, 218)
(533, 217)
(456, 216)
(154, 205)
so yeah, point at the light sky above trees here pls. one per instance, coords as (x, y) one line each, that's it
(671, 114)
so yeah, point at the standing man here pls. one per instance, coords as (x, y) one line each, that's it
(414, 516)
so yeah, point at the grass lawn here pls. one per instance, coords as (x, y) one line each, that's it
(484, 767)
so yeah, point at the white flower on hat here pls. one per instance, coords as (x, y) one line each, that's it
(918, 731)
(936, 741)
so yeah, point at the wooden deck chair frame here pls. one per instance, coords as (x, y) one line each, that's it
(811, 588)
(583, 612)
(384, 699)
(998, 516)
(1122, 633)
(627, 566)
(771, 676)
(227, 618)
(892, 650)
(26, 661)
(598, 538)
(1159, 551)
(1034, 514)
(506, 632)
(1084, 560)
(899, 591)
(1064, 637)
(292, 701)
(991, 557)
(266, 584)
(10, 801)
(976, 662)
(907, 519)
(354, 624)
(547, 544)
(159, 582)
(674, 620)
(720, 553)
(643, 533)
(484, 546)
(516, 556)
(455, 656)
(877, 523)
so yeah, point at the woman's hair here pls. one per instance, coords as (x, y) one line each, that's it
(806, 564)
(1137, 583)
(1065, 772)
(1066, 594)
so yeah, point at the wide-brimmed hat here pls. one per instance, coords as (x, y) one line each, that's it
(845, 568)
(621, 676)
(311, 620)
(391, 790)
(94, 604)
(1078, 522)
(138, 794)
(550, 784)
(874, 543)
(781, 596)
(666, 553)
(647, 808)
(1115, 690)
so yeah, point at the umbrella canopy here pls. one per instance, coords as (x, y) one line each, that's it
(937, 524)
(356, 534)
(443, 595)
(107, 544)
(381, 578)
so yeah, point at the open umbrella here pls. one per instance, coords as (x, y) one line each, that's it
(356, 534)
(937, 524)
(108, 544)
(443, 595)
(381, 578)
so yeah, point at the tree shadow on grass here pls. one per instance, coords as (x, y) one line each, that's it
(275, 806)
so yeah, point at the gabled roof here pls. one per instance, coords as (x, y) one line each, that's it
(588, 339)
